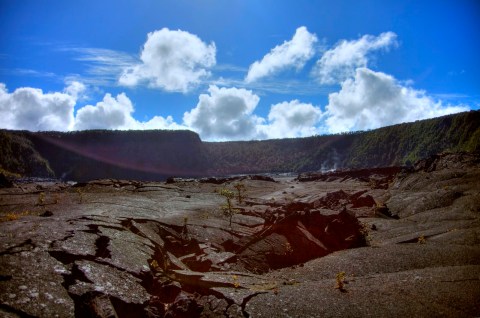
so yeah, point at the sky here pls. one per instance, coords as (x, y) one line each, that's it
(237, 69)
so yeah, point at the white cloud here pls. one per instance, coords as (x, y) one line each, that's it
(172, 61)
(75, 89)
(26, 72)
(159, 122)
(116, 113)
(340, 63)
(375, 99)
(294, 53)
(227, 114)
(111, 113)
(224, 114)
(292, 119)
(32, 109)
(103, 66)
(281, 86)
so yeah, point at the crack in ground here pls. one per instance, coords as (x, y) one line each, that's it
(18, 312)
(176, 278)
(25, 246)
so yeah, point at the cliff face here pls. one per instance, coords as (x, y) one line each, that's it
(18, 155)
(401, 144)
(144, 155)
(155, 155)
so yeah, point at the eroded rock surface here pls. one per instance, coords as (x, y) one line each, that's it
(407, 240)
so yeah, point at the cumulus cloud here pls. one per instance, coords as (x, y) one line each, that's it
(111, 113)
(292, 119)
(340, 62)
(172, 61)
(75, 89)
(117, 113)
(227, 114)
(294, 53)
(32, 109)
(375, 99)
(224, 113)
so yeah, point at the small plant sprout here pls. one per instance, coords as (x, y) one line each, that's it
(11, 217)
(422, 240)
(365, 232)
(340, 280)
(166, 264)
(154, 264)
(228, 209)
(288, 248)
(236, 284)
(80, 195)
(185, 228)
(41, 198)
(240, 187)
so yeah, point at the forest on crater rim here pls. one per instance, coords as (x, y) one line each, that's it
(158, 154)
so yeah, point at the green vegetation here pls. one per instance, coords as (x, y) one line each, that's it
(365, 232)
(422, 239)
(340, 281)
(236, 283)
(13, 216)
(406, 143)
(240, 187)
(156, 155)
(228, 209)
(41, 198)
(81, 195)
(18, 157)
(9, 174)
(402, 144)
(184, 232)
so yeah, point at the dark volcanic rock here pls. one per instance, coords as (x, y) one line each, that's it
(261, 178)
(298, 237)
(47, 213)
(5, 182)
(378, 176)
(114, 248)
(459, 160)
(184, 306)
(219, 180)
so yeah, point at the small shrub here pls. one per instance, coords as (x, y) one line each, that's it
(185, 228)
(422, 240)
(240, 187)
(154, 264)
(41, 198)
(80, 195)
(236, 284)
(228, 209)
(288, 248)
(12, 216)
(365, 232)
(340, 280)
(8, 174)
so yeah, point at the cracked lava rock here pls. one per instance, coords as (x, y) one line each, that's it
(407, 241)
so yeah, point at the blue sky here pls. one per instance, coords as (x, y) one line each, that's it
(236, 70)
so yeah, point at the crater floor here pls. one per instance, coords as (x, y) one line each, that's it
(374, 242)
